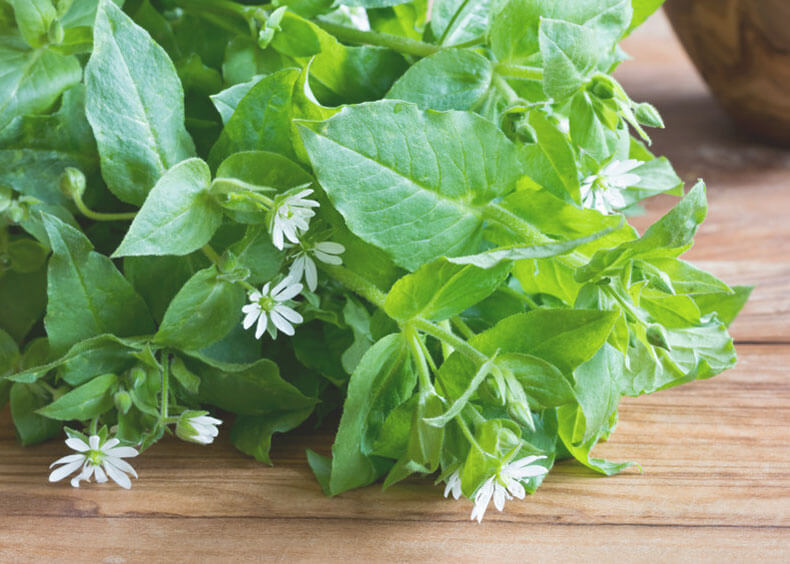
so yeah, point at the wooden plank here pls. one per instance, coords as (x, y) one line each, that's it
(715, 481)
(156, 539)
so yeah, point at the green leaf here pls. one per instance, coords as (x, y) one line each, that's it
(568, 416)
(31, 81)
(178, 215)
(262, 120)
(725, 305)
(31, 428)
(382, 380)
(457, 21)
(158, 279)
(597, 391)
(203, 312)
(440, 290)
(33, 17)
(23, 298)
(87, 295)
(255, 389)
(262, 169)
(642, 10)
(668, 237)
(133, 93)
(544, 384)
(9, 355)
(253, 434)
(424, 448)
(570, 54)
(415, 182)
(87, 359)
(452, 79)
(550, 161)
(227, 100)
(84, 402)
(565, 338)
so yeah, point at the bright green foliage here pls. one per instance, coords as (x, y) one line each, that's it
(440, 201)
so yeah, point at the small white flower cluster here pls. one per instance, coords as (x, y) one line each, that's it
(505, 485)
(270, 308)
(603, 191)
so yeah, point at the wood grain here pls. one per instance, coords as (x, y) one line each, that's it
(742, 48)
(715, 482)
(715, 454)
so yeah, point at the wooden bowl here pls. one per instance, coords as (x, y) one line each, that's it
(742, 50)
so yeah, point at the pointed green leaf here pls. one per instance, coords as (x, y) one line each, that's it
(87, 296)
(135, 104)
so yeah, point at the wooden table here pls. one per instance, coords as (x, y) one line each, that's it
(715, 454)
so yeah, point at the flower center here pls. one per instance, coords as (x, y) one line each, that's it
(95, 457)
(266, 303)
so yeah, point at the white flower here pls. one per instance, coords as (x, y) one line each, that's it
(453, 485)
(325, 251)
(291, 217)
(198, 427)
(506, 484)
(97, 459)
(270, 304)
(603, 191)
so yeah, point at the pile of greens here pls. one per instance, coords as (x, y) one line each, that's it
(166, 164)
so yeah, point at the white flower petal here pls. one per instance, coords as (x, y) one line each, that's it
(251, 317)
(94, 441)
(297, 268)
(287, 293)
(109, 444)
(326, 258)
(281, 323)
(499, 497)
(122, 452)
(117, 476)
(288, 313)
(482, 499)
(311, 274)
(523, 462)
(121, 465)
(101, 477)
(262, 322)
(68, 458)
(77, 444)
(330, 247)
(207, 420)
(60, 473)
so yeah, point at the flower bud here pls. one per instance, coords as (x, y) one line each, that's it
(648, 115)
(657, 336)
(55, 34)
(197, 427)
(123, 401)
(72, 182)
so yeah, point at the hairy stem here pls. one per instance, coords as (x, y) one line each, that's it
(397, 43)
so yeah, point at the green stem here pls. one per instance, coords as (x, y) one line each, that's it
(165, 388)
(357, 284)
(94, 427)
(419, 358)
(517, 71)
(451, 339)
(462, 327)
(254, 190)
(529, 234)
(100, 216)
(512, 98)
(520, 296)
(397, 43)
(211, 254)
(467, 432)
